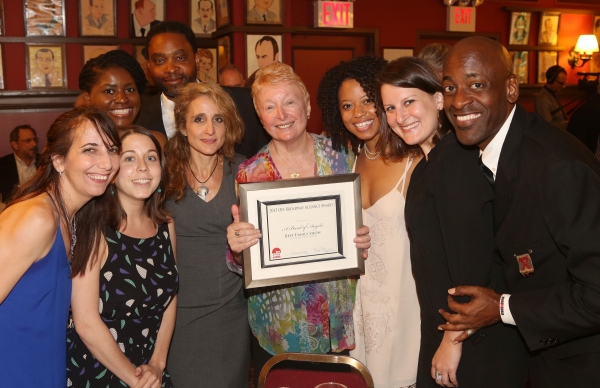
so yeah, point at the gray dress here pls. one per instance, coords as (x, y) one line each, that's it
(211, 342)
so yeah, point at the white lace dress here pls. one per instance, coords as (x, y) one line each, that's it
(386, 314)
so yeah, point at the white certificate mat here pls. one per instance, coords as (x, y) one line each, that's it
(308, 227)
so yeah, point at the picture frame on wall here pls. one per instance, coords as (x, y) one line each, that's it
(203, 17)
(207, 64)
(545, 60)
(261, 51)
(549, 23)
(595, 62)
(224, 51)
(1, 17)
(145, 14)
(520, 24)
(389, 54)
(264, 12)
(44, 17)
(1, 68)
(46, 66)
(520, 63)
(223, 13)
(97, 18)
(92, 51)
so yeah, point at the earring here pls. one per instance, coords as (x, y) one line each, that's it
(60, 174)
(112, 190)
(159, 189)
(307, 117)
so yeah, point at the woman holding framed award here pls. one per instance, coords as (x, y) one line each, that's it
(314, 317)
(449, 220)
(386, 314)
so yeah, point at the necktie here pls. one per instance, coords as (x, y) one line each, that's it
(48, 83)
(486, 172)
(143, 31)
(265, 18)
(204, 28)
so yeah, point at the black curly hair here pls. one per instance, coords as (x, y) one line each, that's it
(115, 58)
(171, 26)
(362, 69)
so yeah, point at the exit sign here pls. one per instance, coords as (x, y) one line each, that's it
(460, 19)
(336, 14)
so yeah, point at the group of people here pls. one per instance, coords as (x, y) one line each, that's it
(479, 228)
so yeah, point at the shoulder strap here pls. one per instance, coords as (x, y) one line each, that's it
(403, 177)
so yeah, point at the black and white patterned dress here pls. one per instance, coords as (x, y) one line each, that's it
(137, 283)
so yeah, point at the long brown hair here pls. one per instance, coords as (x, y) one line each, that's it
(178, 148)
(408, 72)
(92, 217)
(155, 204)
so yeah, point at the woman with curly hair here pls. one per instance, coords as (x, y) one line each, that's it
(386, 313)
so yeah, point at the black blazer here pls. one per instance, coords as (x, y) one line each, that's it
(9, 176)
(547, 202)
(255, 137)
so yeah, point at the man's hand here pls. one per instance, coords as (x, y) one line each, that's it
(483, 310)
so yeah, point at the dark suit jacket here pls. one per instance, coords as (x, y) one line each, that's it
(255, 136)
(132, 28)
(547, 202)
(9, 176)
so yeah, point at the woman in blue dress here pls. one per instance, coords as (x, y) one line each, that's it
(38, 235)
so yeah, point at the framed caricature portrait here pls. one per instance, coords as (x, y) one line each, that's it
(264, 12)
(520, 63)
(545, 60)
(207, 66)
(261, 51)
(224, 51)
(97, 18)
(145, 14)
(223, 18)
(595, 62)
(389, 54)
(44, 17)
(520, 22)
(138, 54)
(548, 34)
(1, 68)
(203, 17)
(92, 51)
(46, 66)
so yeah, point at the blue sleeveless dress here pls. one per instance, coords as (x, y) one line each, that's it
(33, 323)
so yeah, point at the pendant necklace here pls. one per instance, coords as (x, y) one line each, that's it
(72, 228)
(371, 155)
(294, 173)
(202, 191)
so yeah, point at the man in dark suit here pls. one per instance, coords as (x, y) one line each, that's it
(546, 220)
(19, 166)
(143, 18)
(172, 64)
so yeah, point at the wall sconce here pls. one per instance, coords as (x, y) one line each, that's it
(583, 50)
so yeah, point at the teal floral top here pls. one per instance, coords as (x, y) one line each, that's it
(305, 317)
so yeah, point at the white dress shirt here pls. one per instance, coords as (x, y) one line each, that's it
(168, 115)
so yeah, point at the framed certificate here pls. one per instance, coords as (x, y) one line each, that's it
(308, 227)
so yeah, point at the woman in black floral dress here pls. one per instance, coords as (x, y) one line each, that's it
(124, 304)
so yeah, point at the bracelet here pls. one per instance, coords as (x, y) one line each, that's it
(502, 305)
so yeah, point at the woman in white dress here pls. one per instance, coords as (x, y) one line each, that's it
(386, 313)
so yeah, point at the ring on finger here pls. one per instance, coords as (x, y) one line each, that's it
(470, 332)
(237, 233)
(438, 376)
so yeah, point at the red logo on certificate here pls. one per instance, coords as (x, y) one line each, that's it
(276, 253)
(525, 263)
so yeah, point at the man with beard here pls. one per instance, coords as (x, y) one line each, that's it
(18, 167)
(172, 64)
(546, 220)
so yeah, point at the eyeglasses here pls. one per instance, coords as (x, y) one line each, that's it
(30, 140)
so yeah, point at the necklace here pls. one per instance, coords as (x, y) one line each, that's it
(202, 191)
(72, 228)
(371, 155)
(294, 173)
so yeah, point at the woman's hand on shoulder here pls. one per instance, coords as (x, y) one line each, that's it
(241, 235)
(150, 376)
(363, 240)
(446, 359)
(27, 232)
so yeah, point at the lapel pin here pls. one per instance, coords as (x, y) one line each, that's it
(525, 263)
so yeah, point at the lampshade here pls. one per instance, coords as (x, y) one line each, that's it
(586, 45)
